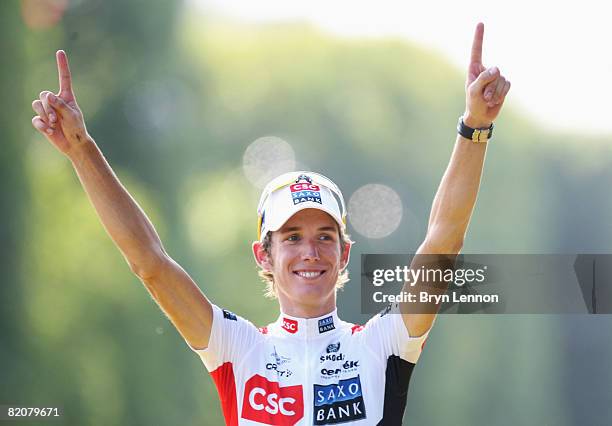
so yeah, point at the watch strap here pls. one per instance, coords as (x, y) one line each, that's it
(481, 135)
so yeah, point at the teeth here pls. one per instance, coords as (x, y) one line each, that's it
(304, 274)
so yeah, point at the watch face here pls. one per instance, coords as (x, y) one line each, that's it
(480, 136)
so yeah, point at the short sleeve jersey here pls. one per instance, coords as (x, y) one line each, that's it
(317, 371)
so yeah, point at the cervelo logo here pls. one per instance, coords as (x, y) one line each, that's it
(268, 403)
(291, 326)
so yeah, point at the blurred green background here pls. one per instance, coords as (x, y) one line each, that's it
(175, 100)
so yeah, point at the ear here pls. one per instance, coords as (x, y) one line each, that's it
(261, 257)
(344, 260)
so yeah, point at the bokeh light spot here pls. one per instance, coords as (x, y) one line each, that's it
(42, 14)
(375, 210)
(266, 158)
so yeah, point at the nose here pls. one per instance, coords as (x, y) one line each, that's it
(311, 251)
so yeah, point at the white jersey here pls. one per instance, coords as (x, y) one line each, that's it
(317, 371)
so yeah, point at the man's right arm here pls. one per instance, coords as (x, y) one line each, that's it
(60, 120)
(133, 233)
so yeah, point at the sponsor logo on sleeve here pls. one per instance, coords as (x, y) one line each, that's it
(271, 404)
(326, 324)
(304, 190)
(290, 326)
(229, 315)
(356, 328)
(339, 402)
(386, 310)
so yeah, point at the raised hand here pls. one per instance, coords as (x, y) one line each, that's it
(59, 117)
(485, 89)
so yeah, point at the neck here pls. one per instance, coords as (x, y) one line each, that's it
(305, 310)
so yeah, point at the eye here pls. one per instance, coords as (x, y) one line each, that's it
(293, 237)
(326, 237)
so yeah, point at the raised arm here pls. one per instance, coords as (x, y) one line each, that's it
(454, 202)
(60, 120)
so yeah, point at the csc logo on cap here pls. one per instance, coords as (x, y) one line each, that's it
(304, 187)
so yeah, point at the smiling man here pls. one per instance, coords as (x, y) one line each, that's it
(309, 366)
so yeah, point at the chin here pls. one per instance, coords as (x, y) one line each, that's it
(313, 291)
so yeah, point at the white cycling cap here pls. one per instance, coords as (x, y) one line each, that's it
(291, 192)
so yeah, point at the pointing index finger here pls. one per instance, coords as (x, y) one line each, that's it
(477, 44)
(65, 79)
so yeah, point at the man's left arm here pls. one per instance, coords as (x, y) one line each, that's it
(454, 202)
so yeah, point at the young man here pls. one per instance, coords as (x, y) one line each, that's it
(308, 367)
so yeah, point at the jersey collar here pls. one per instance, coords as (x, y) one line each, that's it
(307, 327)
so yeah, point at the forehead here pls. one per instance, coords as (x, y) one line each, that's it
(310, 218)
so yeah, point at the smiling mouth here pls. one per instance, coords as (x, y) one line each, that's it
(309, 275)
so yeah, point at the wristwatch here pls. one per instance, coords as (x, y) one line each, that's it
(476, 135)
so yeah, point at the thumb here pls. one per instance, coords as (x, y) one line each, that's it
(485, 78)
(70, 118)
(58, 103)
(64, 109)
